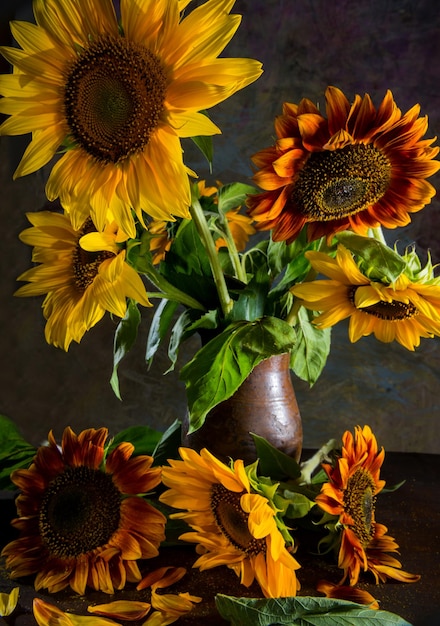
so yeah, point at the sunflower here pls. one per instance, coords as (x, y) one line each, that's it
(350, 494)
(403, 311)
(230, 525)
(81, 517)
(359, 168)
(118, 97)
(81, 284)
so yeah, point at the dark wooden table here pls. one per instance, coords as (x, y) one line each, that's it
(412, 515)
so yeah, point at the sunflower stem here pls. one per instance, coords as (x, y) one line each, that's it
(377, 233)
(199, 218)
(225, 231)
(308, 467)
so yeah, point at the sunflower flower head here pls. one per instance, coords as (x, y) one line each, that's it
(350, 496)
(403, 310)
(357, 168)
(82, 517)
(118, 96)
(231, 524)
(82, 273)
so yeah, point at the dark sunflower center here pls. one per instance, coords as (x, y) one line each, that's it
(86, 264)
(114, 97)
(80, 512)
(233, 521)
(334, 184)
(394, 311)
(359, 504)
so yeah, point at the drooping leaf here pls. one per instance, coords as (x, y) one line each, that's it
(159, 326)
(125, 336)
(302, 611)
(144, 439)
(312, 349)
(205, 145)
(273, 462)
(220, 366)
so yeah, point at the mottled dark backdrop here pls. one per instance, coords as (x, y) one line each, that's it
(366, 46)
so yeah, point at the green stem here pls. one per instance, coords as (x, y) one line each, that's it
(232, 249)
(201, 224)
(377, 233)
(308, 467)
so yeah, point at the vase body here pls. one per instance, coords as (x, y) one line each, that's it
(265, 404)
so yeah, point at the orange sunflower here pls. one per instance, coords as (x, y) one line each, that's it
(350, 494)
(82, 272)
(230, 524)
(404, 311)
(117, 96)
(81, 515)
(359, 168)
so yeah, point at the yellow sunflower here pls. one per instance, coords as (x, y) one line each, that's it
(230, 525)
(358, 168)
(350, 494)
(84, 274)
(403, 311)
(118, 96)
(81, 515)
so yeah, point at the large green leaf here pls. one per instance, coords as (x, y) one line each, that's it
(15, 452)
(312, 349)
(302, 611)
(379, 262)
(125, 336)
(220, 367)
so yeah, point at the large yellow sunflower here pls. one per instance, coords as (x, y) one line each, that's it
(230, 525)
(360, 167)
(403, 311)
(350, 494)
(119, 95)
(81, 515)
(81, 285)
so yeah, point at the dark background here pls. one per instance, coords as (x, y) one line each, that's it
(367, 46)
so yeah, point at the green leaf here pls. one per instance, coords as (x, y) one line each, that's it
(233, 195)
(144, 439)
(302, 611)
(205, 145)
(168, 445)
(379, 262)
(273, 462)
(15, 452)
(219, 367)
(162, 318)
(313, 347)
(125, 336)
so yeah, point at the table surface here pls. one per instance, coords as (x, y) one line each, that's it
(412, 515)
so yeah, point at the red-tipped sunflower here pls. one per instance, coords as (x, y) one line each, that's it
(231, 525)
(81, 515)
(350, 494)
(357, 168)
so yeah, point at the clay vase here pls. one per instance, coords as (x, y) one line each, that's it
(265, 404)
